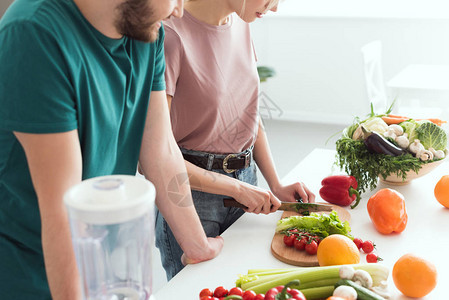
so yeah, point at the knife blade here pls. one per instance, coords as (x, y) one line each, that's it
(298, 207)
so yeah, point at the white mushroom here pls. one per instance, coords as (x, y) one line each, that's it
(345, 292)
(389, 134)
(396, 129)
(346, 272)
(416, 146)
(437, 154)
(424, 155)
(402, 141)
(364, 277)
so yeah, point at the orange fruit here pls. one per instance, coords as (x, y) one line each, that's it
(441, 191)
(414, 276)
(337, 249)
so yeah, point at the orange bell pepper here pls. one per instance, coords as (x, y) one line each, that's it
(387, 211)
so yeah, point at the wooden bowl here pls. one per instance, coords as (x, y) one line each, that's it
(393, 179)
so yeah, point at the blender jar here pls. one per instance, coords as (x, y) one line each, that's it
(112, 225)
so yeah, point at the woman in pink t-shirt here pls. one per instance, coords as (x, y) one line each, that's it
(212, 91)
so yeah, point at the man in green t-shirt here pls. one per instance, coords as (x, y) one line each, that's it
(82, 94)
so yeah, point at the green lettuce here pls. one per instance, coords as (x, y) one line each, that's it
(432, 136)
(410, 128)
(321, 224)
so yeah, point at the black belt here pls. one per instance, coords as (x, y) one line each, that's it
(229, 163)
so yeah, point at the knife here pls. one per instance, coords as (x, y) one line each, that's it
(299, 207)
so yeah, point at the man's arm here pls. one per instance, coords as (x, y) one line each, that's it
(55, 165)
(264, 160)
(162, 163)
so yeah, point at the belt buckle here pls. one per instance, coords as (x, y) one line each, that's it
(247, 158)
(225, 163)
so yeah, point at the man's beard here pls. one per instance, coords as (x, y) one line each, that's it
(136, 20)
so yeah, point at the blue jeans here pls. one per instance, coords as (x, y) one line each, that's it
(214, 217)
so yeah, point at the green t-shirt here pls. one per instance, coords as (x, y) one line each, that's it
(58, 73)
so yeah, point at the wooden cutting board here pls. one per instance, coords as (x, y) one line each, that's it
(295, 257)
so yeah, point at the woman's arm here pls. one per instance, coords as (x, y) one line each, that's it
(264, 160)
(257, 200)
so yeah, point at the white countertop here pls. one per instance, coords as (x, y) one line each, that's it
(248, 241)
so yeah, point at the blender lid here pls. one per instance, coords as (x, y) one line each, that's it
(110, 199)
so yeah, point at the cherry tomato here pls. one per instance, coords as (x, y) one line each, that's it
(289, 240)
(236, 291)
(208, 298)
(368, 246)
(249, 295)
(300, 244)
(260, 297)
(358, 242)
(206, 292)
(372, 258)
(220, 292)
(312, 247)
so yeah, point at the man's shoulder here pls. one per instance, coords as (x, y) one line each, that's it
(44, 14)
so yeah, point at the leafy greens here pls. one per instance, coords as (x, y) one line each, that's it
(432, 136)
(320, 224)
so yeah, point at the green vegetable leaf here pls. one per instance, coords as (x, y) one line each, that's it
(355, 159)
(321, 224)
(410, 128)
(432, 136)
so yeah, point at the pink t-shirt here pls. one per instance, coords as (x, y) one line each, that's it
(212, 75)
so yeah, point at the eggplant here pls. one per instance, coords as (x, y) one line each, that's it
(375, 143)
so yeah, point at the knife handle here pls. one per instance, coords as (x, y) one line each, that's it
(231, 202)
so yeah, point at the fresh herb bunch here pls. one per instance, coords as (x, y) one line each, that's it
(354, 158)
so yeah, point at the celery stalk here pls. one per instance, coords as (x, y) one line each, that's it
(318, 283)
(302, 276)
(312, 277)
(271, 271)
(319, 292)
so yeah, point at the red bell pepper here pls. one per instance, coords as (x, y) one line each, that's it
(340, 190)
(284, 292)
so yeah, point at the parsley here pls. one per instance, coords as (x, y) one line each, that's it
(353, 157)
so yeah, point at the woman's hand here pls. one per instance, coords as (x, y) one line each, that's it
(257, 200)
(292, 192)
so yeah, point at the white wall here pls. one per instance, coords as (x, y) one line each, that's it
(317, 57)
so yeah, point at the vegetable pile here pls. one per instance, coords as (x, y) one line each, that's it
(387, 144)
(315, 282)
